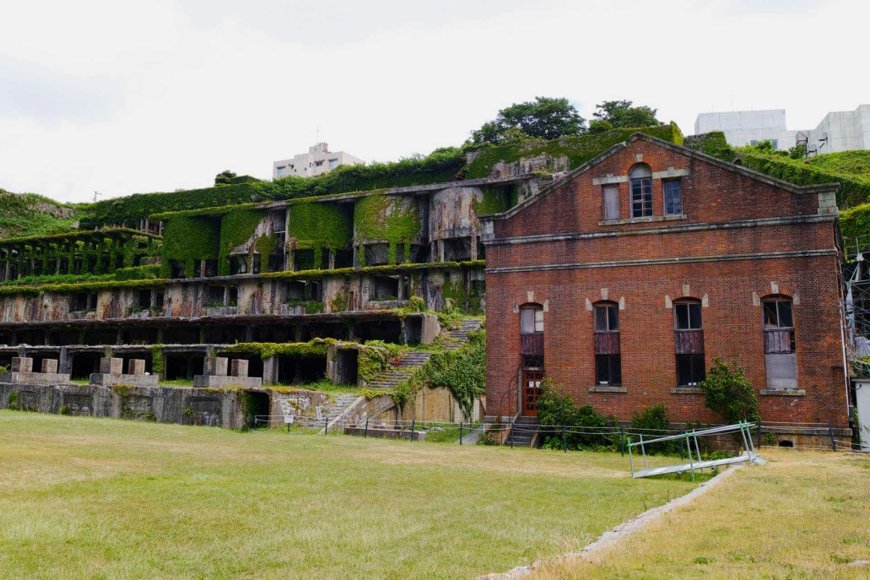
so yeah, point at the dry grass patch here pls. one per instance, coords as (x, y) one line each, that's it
(804, 514)
(99, 497)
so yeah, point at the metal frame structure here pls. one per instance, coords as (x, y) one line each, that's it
(744, 428)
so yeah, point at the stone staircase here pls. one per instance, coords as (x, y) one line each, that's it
(322, 414)
(455, 338)
(410, 362)
(523, 432)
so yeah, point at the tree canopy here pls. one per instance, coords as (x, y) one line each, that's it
(545, 118)
(621, 114)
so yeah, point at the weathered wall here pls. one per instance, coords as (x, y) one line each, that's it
(160, 404)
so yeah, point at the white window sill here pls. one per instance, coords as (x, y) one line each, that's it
(644, 220)
(783, 393)
(687, 391)
(607, 389)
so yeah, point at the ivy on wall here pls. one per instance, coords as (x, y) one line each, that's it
(320, 225)
(855, 223)
(189, 239)
(237, 226)
(386, 218)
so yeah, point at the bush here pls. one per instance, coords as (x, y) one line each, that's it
(727, 392)
(654, 422)
(557, 410)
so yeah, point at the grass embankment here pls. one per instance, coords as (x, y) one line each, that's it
(803, 515)
(108, 498)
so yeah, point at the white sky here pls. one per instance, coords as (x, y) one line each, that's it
(120, 97)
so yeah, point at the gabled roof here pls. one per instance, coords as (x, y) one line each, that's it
(752, 174)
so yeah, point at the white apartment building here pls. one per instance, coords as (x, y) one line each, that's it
(838, 131)
(318, 160)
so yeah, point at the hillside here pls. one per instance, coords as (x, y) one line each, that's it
(853, 163)
(29, 214)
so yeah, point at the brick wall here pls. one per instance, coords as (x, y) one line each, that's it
(642, 272)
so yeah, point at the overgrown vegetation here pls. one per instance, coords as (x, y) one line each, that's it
(621, 115)
(462, 371)
(544, 118)
(728, 393)
(29, 214)
(555, 409)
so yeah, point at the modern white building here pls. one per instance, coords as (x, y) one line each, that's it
(319, 159)
(841, 131)
(748, 127)
(838, 131)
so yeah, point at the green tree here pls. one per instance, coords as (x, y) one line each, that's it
(544, 118)
(225, 177)
(727, 392)
(620, 115)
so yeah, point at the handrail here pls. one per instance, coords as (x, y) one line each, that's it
(711, 431)
(513, 388)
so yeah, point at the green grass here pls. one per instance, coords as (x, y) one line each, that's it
(803, 515)
(856, 163)
(110, 498)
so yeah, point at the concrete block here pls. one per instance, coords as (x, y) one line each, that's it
(136, 366)
(111, 365)
(215, 366)
(22, 364)
(215, 381)
(49, 365)
(107, 380)
(239, 367)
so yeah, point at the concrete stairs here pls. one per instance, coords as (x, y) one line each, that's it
(523, 432)
(326, 414)
(455, 338)
(408, 364)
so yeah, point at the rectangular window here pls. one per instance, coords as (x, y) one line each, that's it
(531, 320)
(673, 197)
(780, 356)
(687, 315)
(606, 318)
(641, 197)
(610, 195)
(690, 369)
(608, 369)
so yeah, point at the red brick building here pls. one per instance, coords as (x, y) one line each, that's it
(624, 279)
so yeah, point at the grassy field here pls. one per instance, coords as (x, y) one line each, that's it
(108, 498)
(803, 515)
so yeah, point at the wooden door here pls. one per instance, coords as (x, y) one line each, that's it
(531, 391)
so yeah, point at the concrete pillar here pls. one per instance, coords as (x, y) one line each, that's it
(136, 366)
(215, 366)
(270, 370)
(64, 360)
(473, 245)
(49, 365)
(110, 365)
(22, 364)
(331, 259)
(238, 367)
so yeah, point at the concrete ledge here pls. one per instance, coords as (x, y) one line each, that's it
(783, 393)
(205, 381)
(386, 433)
(107, 380)
(35, 378)
(687, 391)
(607, 389)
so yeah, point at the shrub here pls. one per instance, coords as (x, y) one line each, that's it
(559, 411)
(727, 392)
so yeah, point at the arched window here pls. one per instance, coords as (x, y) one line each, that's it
(779, 343)
(640, 178)
(532, 353)
(689, 343)
(608, 364)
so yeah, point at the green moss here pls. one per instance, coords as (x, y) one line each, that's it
(712, 143)
(495, 200)
(237, 226)
(157, 360)
(578, 149)
(375, 357)
(312, 348)
(320, 225)
(189, 239)
(855, 224)
(392, 219)
(854, 190)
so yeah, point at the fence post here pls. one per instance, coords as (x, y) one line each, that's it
(326, 425)
(413, 421)
(621, 441)
(460, 432)
(833, 441)
(564, 440)
(366, 433)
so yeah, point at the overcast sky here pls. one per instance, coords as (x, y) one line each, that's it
(122, 97)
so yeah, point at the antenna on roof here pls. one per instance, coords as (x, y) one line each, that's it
(96, 194)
